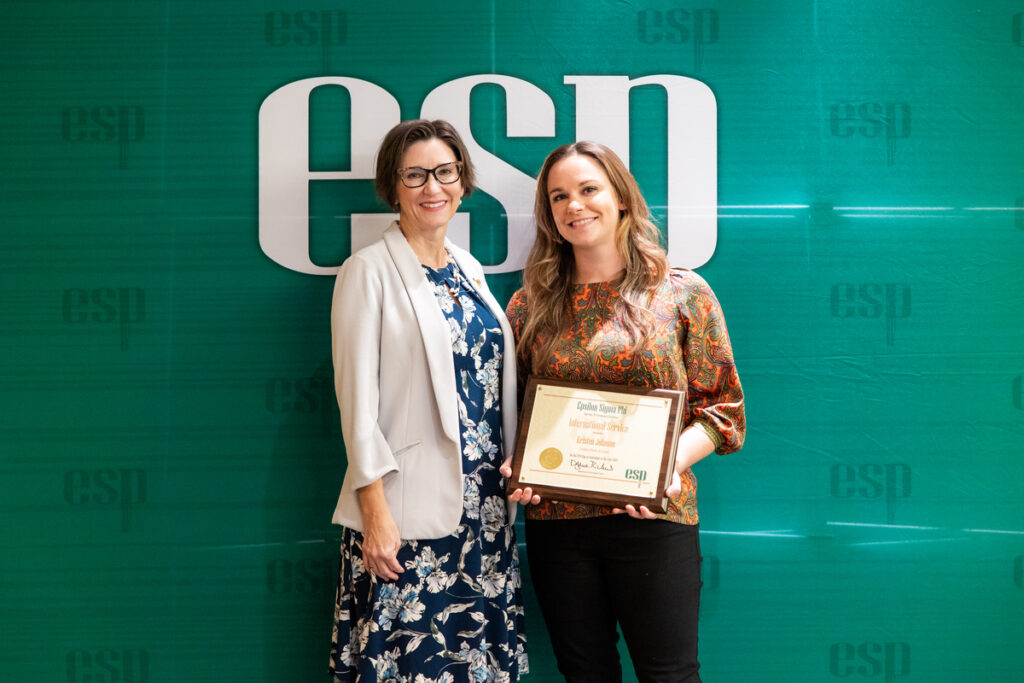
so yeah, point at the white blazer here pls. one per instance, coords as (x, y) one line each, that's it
(394, 376)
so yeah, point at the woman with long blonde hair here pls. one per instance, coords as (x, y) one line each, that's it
(599, 303)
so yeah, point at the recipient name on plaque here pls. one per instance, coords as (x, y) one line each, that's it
(597, 443)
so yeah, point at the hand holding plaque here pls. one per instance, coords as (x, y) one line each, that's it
(597, 443)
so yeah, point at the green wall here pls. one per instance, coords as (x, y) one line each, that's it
(170, 445)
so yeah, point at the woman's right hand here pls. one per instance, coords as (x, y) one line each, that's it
(380, 534)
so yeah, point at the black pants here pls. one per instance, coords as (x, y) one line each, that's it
(643, 574)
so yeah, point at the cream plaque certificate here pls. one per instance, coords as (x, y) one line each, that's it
(597, 443)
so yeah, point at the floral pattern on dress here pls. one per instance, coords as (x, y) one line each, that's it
(455, 613)
(688, 349)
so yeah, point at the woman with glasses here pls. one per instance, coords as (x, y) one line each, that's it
(600, 304)
(425, 378)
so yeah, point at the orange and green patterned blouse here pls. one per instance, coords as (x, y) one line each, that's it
(689, 348)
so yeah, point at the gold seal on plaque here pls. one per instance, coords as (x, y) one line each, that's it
(550, 458)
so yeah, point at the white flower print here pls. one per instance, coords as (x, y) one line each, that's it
(389, 607)
(473, 447)
(524, 661)
(356, 562)
(403, 606)
(489, 379)
(476, 659)
(493, 576)
(471, 498)
(493, 514)
(410, 607)
(486, 446)
(429, 568)
(385, 666)
(514, 574)
(457, 332)
(446, 677)
(446, 303)
(363, 635)
(468, 305)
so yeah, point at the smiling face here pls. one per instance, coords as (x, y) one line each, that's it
(432, 205)
(584, 205)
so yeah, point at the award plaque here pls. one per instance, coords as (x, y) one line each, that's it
(597, 443)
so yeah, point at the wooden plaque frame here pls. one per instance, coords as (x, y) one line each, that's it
(584, 492)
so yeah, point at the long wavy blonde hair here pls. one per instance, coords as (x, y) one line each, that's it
(548, 276)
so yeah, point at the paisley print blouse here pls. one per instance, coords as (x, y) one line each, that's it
(688, 349)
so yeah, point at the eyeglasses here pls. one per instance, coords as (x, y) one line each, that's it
(446, 174)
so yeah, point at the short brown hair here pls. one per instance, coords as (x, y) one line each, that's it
(402, 137)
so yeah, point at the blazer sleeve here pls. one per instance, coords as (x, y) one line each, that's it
(355, 337)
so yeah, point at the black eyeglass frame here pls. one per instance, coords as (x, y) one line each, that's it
(427, 172)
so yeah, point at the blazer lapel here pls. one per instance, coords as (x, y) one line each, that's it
(433, 329)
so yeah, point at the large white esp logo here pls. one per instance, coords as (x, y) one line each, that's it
(602, 114)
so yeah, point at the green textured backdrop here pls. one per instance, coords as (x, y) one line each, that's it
(170, 446)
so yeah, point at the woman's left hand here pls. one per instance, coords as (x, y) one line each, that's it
(675, 487)
(525, 496)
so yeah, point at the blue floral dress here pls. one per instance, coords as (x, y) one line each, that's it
(455, 613)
